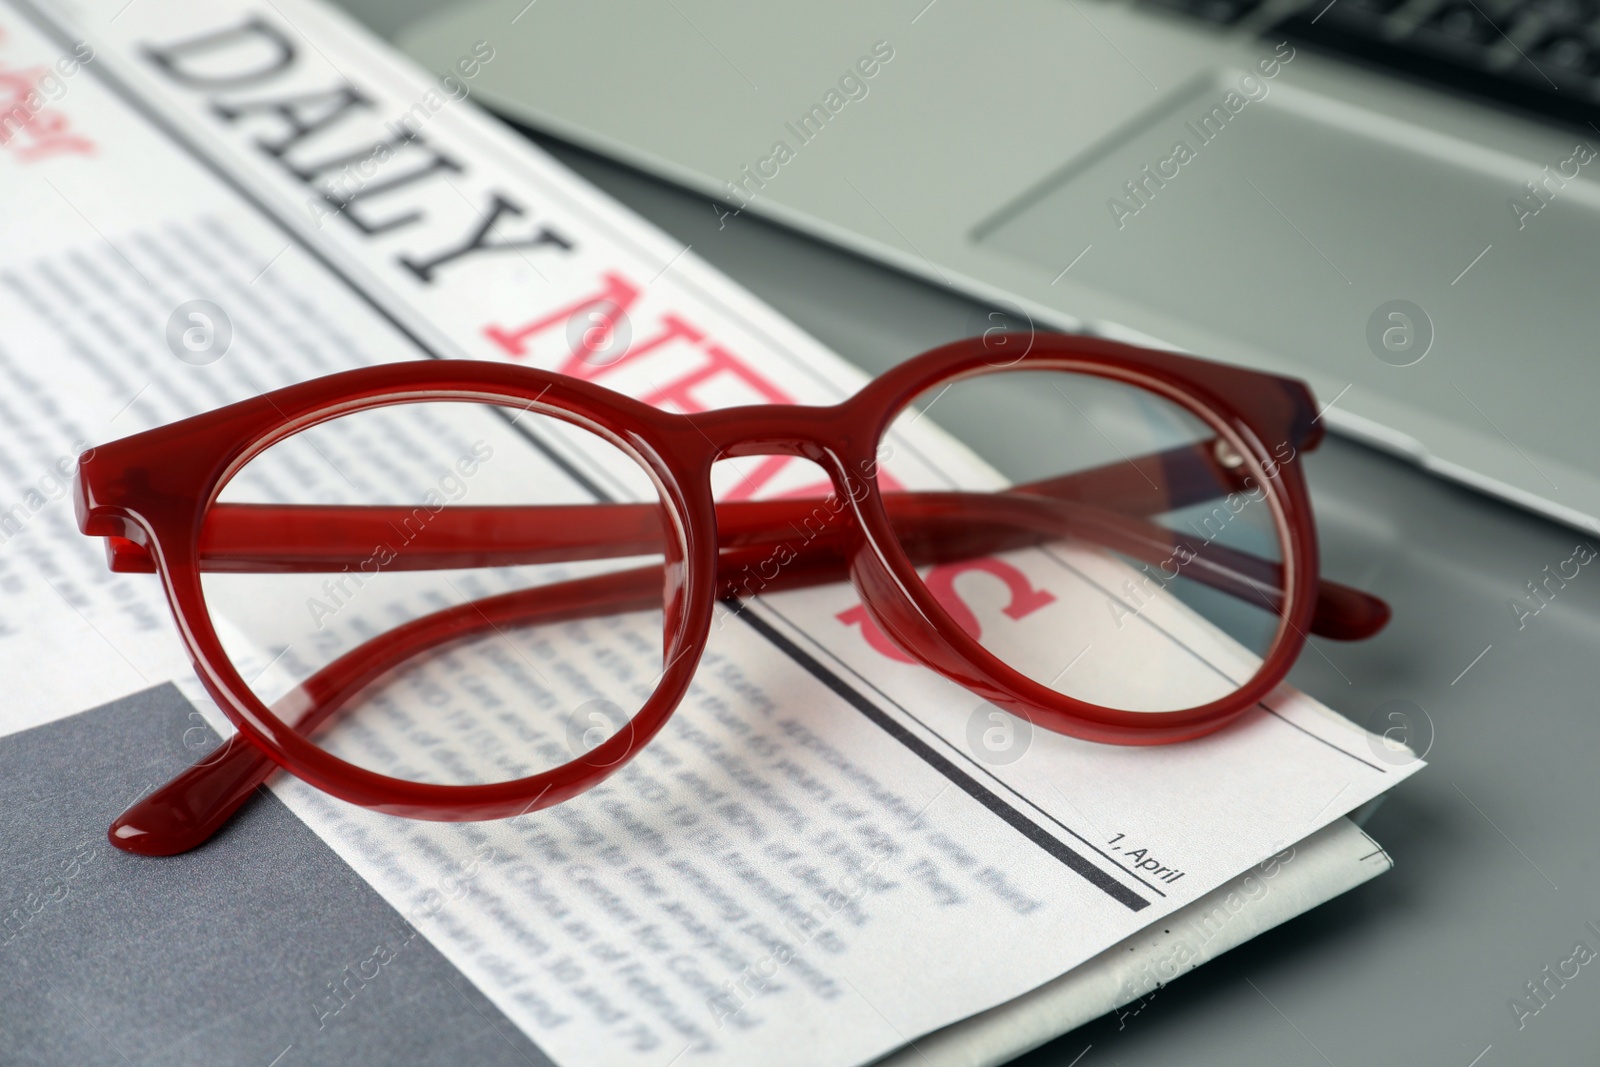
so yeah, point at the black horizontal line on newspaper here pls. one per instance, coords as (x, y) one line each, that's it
(926, 752)
(863, 682)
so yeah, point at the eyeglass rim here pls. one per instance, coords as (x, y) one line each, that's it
(169, 528)
(943, 645)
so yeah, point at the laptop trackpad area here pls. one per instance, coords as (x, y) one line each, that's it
(1299, 225)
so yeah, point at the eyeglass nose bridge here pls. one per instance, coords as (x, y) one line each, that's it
(824, 435)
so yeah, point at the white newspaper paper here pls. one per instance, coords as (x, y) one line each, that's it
(810, 864)
(1128, 977)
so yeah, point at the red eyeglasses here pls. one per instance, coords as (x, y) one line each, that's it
(506, 577)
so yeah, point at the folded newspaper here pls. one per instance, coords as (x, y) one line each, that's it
(850, 878)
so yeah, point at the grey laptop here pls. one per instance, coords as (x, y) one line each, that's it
(1393, 199)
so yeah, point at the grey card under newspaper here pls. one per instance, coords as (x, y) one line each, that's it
(263, 942)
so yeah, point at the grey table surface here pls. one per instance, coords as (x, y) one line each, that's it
(1495, 843)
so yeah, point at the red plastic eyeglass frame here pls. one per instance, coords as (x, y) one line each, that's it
(154, 497)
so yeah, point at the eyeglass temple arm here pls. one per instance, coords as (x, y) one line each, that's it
(192, 807)
(268, 538)
(949, 527)
(198, 802)
(261, 538)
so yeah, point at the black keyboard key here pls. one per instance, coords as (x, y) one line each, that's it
(1562, 14)
(1370, 7)
(1221, 12)
(1569, 53)
(1464, 23)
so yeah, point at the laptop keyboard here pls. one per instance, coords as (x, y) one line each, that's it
(1537, 55)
